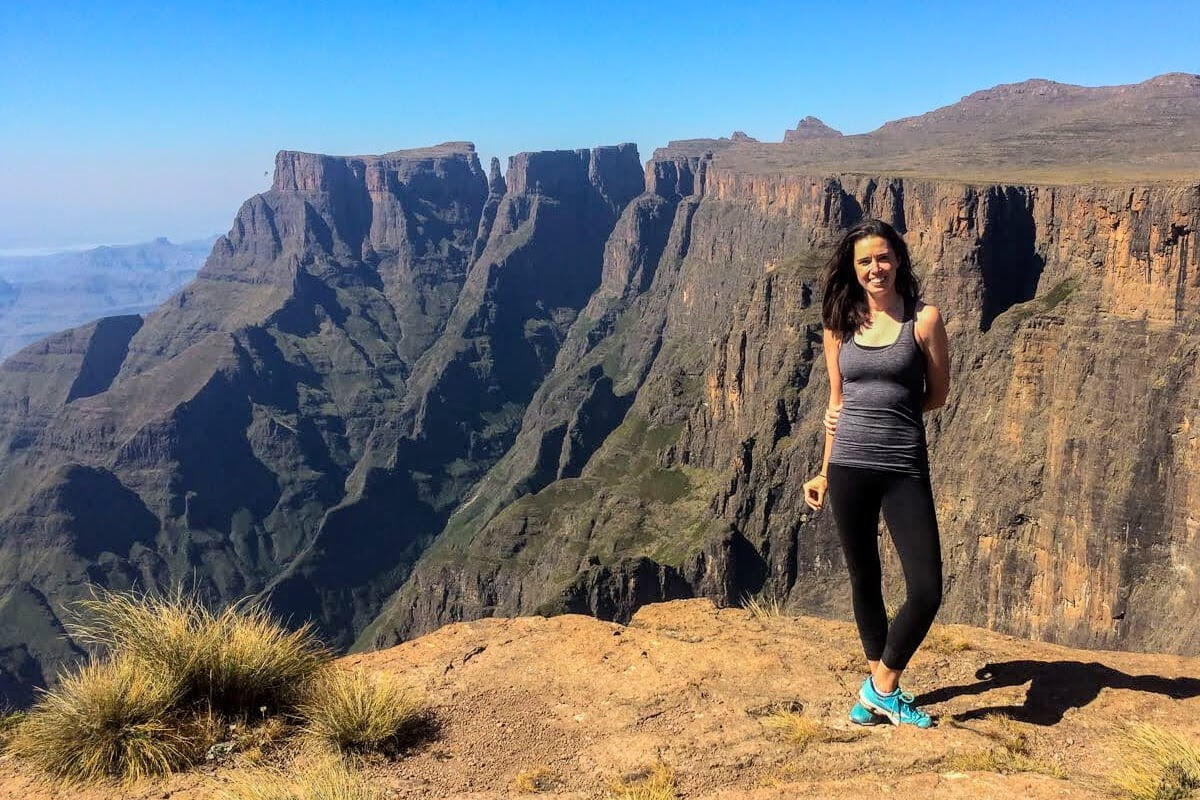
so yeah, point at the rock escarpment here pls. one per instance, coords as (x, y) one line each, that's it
(1062, 463)
(295, 422)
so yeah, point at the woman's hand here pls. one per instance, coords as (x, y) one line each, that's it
(831, 417)
(814, 492)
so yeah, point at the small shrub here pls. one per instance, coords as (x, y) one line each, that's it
(538, 779)
(108, 719)
(325, 780)
(657, 784)
(354, 710)
(237, 660)
(1158, 765)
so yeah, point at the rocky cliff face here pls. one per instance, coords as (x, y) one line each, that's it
(1061, 463)
(295, 422)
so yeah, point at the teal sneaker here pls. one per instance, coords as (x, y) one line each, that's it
(897, 706)
(860, 715)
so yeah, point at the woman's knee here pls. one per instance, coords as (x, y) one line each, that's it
(926, 595)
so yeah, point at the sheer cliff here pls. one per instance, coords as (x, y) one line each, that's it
(298, 420)
(1062, 463)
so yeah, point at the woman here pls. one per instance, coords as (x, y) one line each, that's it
(888, 362)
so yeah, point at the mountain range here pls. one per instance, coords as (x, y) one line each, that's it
(44, 294)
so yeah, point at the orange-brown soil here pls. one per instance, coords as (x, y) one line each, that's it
(688, 685)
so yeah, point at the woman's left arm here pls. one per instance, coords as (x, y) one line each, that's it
(931, 335)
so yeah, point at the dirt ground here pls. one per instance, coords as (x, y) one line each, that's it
(589, 703)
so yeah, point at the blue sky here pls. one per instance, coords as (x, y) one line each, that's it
(120, 121)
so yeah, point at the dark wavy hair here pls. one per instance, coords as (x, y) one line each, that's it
(844, 303)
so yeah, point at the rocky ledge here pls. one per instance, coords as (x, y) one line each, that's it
(585, 704)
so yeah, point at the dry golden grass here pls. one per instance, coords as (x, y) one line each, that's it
(354, 710)
(107, 720)
(323, 780)
(798, 729)
(237, 660)
(891, 605)
(940, 640)
(531, 781)
(1013, 753)
(1158, 765)
(9, 720)
(802, 731)
(763, 607)
(657, 784)
(254, 740)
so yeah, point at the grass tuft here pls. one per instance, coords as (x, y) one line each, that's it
(106, 720)
(9, 721)
(532, 781)
(802, 730)
(1158, 765)
(1013, 753)
(354, 710)
(797, 728)
(324, 780)
(657, 784)
(940, 640)
(238, 660)
(762, 606)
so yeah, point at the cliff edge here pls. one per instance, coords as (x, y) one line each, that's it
(584, 704)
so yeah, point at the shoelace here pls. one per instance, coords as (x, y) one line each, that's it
(908, 698)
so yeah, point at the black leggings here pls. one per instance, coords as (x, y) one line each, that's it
(856, 495)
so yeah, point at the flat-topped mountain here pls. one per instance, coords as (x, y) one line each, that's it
(405, 390)
(1036, 130)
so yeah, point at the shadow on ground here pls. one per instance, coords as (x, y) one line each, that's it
(1054, 687)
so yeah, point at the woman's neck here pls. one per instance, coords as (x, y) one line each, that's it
(889, 303)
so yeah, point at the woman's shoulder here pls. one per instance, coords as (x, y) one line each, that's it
(926, 313)
(926, 318)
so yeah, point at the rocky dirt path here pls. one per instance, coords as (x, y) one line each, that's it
(586, 703)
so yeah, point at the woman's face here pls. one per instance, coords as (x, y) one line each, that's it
(875, 265)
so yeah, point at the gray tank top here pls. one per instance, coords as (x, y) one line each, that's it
(881, 426)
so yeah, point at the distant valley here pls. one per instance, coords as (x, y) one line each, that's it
(44, 294)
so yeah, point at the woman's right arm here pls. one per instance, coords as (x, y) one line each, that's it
(814, 489)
